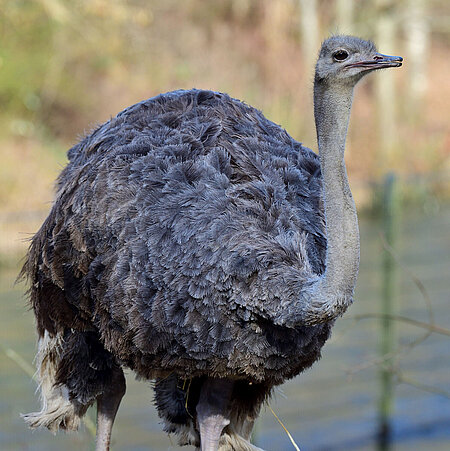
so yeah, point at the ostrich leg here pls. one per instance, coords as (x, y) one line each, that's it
(212, 411)
(107, 405)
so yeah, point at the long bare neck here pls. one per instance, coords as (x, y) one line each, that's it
(332, 107)
(332, 293)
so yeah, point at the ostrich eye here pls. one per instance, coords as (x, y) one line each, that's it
(340, 55)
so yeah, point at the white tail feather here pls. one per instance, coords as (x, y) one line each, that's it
(58, 411)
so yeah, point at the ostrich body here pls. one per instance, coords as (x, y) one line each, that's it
(195, 242)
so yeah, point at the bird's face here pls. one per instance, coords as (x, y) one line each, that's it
(346, 59)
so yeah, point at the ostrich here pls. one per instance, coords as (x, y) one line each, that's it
(195, 242)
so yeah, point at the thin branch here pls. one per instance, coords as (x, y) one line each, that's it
(29, 370)
(431, 327)
(386, 358)
(20, 361)
(425, 387)
(285, 429)
(414, 278)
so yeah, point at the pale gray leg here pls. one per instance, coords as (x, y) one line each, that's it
(107, 405)
(212, 411)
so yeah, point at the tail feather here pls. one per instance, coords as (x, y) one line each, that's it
(58, 410)
(230, 441)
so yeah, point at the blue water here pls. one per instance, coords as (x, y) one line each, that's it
(333, 406)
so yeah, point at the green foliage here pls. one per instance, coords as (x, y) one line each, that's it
(26, 35)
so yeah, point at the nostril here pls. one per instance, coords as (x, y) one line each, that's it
(377, 57)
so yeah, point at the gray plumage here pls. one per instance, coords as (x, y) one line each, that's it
(184, 239)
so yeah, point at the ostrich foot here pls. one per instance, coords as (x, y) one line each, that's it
(212, 411)
(107, 406)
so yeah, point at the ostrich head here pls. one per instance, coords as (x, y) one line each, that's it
(346, 59)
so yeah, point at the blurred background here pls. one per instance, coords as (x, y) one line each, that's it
(66, 66)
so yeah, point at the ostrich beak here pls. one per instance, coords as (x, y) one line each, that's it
(379, 61)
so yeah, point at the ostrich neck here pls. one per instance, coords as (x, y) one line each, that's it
(331, 294)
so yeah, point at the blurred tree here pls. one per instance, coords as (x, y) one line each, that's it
(66, 65)
(386, 39)
(345, 15)
(417, 35)
(241, 8)
(309, 25)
